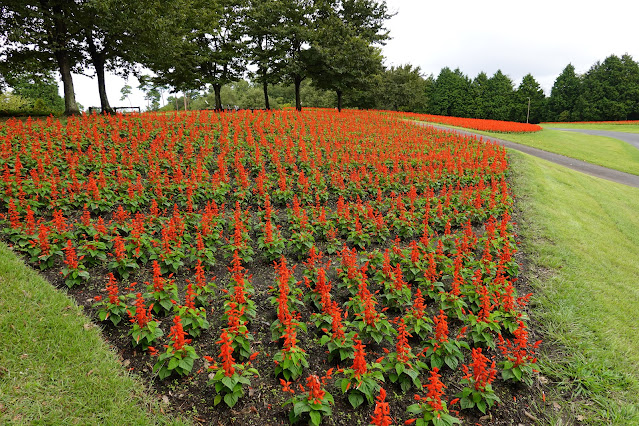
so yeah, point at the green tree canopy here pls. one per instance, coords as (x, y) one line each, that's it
(610, 90)
(39, 36)
(564, 95)
(451, 94)
(530, 93)
(500, 97)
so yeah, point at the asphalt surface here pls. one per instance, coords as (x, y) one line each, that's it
(571, 163)
(631, 138)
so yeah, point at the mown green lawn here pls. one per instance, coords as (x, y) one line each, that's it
(628, 128)
(603, 151)
(582, 235)
(55, 368)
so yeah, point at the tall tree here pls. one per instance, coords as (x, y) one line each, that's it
(204, 45)
(342, 55)
(610, 90)
(267, 45)
(479, 92)
(402, 89)
(451, 94)
(530, 93)
(298, 33)
(499, 99)
(112, 32)
(41, 35)
(563, 95)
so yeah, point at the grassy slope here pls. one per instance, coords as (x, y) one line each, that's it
(607, 152)
(583, 236)
(54, 366)
(628, 128)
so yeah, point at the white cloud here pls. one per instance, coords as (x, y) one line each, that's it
(518, 37)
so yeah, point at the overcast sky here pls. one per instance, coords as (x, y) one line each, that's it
(519, 37)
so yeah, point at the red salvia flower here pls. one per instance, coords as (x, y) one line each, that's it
(441, 327)
(419, 307)
(70, 257)
(142, 314)
(119, 248)
(435, 390)
(190, 295)
(381, 415)
(226, 353)
(402, 347)
(315, 392)
(481, 375)
(359, 362)
(113, 290)
(177, 335)
(43, 240)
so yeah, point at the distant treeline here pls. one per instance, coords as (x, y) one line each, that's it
(609, 90)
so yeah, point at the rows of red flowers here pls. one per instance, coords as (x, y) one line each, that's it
(388, 251)
(477, 123)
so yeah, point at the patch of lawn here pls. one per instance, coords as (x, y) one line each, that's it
(603, 151)
(628, 128)
(582, 236)
(54, 366)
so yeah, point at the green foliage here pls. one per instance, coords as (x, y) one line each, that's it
(564, 95)
(175, 361)
(231, 388)
(451, 94)
(529, 89)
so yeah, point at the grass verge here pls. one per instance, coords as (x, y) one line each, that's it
(603, 151)
(627, 128)
(582, 234)
(54, 366)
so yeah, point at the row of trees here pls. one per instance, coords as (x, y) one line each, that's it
(609, 90)
(189, 45)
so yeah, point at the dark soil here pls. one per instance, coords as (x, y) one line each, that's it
(191, 397)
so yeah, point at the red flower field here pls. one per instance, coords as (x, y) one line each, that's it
(276, 266)
(477, 123)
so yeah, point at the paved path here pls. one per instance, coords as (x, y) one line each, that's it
(631, 138)
(571, 163)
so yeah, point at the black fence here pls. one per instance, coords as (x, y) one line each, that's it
(98, 110)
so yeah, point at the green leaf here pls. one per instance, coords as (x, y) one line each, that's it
(300, 407)
(399, 367)
(173, 363)
(230, 399)
(517, 372)
(466, 403)
(482, 406)
(356, 399)
(316, 418)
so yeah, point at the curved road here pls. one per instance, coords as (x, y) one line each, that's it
(631, 138)
(571, 163)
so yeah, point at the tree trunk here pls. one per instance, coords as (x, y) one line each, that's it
(70, 105)
(97, 58)
(104, 100)
(184, 101)
(298, 102)
(267, 105)
(217, 88)
(339, 101)
(58, 35)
